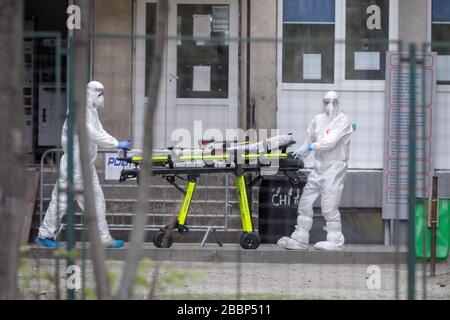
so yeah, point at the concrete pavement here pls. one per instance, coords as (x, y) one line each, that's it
(266, 253)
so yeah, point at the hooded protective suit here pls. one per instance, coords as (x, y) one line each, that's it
(97, 136)
(328, 136)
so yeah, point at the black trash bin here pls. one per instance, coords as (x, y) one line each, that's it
(278, 205)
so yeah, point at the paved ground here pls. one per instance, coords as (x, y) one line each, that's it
(266, 253)
(298, 278)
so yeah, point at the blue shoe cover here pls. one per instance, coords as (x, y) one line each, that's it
(116, 244)
(48, 243)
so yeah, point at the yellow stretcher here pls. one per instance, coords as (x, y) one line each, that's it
(193, 163)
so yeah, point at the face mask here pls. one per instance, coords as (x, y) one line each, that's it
(99, 102)
(330, 109)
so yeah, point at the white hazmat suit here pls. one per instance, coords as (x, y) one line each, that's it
(328, 136)
(97, 136)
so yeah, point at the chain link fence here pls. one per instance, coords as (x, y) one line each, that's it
(396, 224)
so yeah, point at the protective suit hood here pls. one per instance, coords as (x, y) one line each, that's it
(94, 95)
(331, 104)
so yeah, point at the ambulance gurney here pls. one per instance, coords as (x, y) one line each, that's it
(256, 160)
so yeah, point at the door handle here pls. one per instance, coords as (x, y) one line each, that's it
(174, 76)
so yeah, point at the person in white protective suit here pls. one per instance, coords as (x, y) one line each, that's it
(97, 136)
(328, 136)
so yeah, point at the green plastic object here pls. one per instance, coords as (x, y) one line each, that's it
(423, 248)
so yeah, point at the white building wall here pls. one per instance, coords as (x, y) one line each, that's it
(441, 138)
(365, 109)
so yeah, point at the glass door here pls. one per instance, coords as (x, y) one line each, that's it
(146, 25)
(199, 85)
(202, 70)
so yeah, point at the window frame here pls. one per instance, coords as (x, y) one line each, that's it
(340, 83)
(439, 87)
(334, 47)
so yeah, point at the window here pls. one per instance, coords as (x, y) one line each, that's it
(366, 39)
(308, 41)
(202, 65)
(440, 37)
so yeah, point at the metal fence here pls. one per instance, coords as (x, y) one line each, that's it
(388, 89)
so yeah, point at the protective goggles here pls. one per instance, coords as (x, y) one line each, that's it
(327, 101)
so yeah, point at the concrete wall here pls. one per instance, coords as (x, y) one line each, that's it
(263, 72)
(113, 64)
(413, 21)
(112, 58)
(363, 189)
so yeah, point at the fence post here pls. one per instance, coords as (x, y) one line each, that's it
(70, 160)
(412, 172)
(434, 208)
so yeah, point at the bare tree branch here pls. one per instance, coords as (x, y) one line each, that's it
(12, 144)
(81, 65)
(137, 237)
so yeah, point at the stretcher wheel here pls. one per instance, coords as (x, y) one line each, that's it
(159, 240)
(182, 229)
(250, 240)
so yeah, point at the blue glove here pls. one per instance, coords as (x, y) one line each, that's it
(354, 126)
(124, 145)
(309, 147)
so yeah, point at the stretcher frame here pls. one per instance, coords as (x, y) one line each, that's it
(165, 166)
